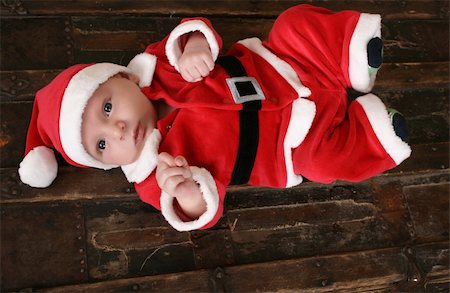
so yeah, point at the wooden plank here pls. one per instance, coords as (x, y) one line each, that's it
(23, 85)
(35, 43)
(429, 208)
(377, 217)
(383, 270)
(425, 157)
(408, 41)
(72, 184)
(433, 259)
(42, 246)
(405, 41)
(13, 131)
(194, 281)
(416, 102)
(367, 270)
(432, 128)
(322, 274)
(129, 238)
(264, 230)
(62, 41)
(311, 238)
(412, 75)
(418, 9)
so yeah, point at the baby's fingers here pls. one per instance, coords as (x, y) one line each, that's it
(165, 160)
(187, 75)
(164, 175)
(171, 184)
(180, 161)
(209, 62)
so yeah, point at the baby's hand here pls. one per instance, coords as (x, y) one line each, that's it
(172, 174)
(175, 178)
(196, 61)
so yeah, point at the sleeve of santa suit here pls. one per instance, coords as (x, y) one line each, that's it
(172, 46)
(331, 45)
(213, 193)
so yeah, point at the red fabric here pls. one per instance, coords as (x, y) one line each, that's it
(341, 143)
(315, 41)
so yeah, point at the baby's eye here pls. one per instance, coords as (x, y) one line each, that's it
(107, 108)
(101, 144)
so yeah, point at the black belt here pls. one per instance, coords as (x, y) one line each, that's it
(246, 91)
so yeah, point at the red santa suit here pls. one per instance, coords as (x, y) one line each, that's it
(305, 125)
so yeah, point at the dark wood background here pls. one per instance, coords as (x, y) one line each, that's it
(89, 232)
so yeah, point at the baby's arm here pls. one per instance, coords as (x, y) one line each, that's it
(196, 60)
(175, 178)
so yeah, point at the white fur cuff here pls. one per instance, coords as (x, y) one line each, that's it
(39, 167)
(381, 124)
(173, 49)
(368, 27)
(143, 65)
(302, 116)
(210, 195)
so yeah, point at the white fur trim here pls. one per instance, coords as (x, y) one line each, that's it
(281, 66)
(302, 116)
(79, 90)
(39, 167)
(143, 65)
(210, 195)
(173, 50)
(139, 170)
(368, 27)
(381, 124)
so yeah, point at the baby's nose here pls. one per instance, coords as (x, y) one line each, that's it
(119, 130)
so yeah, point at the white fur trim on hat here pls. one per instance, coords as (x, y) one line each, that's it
(302, 115)
(368, 27)
(139, 170)
(79, 90)
(39, 167)
(210, 195)
(281, 66)
(143, 65)
(173, 50)
(381, 124)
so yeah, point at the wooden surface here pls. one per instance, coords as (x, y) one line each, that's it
(89, 232)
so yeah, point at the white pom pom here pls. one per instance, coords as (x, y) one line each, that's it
(39, 167)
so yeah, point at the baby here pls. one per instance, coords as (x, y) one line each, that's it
(184, 123)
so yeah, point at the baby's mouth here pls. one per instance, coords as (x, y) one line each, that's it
(137, 133)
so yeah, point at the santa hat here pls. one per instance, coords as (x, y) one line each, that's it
(57, 118)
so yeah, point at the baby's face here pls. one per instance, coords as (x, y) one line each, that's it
(116, 121)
